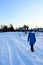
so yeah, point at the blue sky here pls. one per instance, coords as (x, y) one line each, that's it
(20, 12)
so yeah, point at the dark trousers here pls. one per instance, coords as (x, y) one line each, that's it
(32, 49)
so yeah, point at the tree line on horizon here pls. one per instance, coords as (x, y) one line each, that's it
(5, 28)
(25, 28)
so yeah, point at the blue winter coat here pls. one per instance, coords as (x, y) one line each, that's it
(31, 38)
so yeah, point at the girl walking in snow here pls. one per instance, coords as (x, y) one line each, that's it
(31, 40)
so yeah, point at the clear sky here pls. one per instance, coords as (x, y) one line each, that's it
(20, 12)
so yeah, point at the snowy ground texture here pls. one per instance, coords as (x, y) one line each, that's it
(15, 50)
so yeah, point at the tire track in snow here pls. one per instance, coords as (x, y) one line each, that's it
(4, 57)
(25, 60)
(18, 60)
(9, 51)
(22, 49)
(18, 40)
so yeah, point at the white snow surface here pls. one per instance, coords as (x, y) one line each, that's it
(15, 49)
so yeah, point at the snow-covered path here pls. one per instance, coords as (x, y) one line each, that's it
(15, 50)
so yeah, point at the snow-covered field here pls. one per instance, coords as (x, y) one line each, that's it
(15, 49)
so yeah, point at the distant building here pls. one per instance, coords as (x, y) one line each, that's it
(20, 28)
